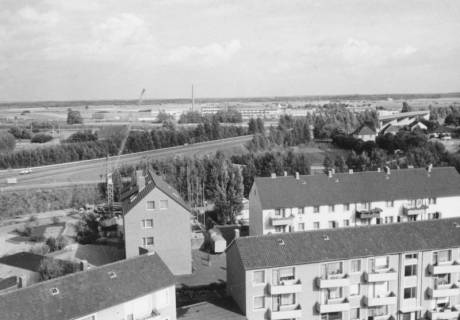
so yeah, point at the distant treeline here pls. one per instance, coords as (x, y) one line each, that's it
(137, 141)
(230, 116)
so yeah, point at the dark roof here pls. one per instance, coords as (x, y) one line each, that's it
(152, 180)
(8, 282)
(346, 243)
(222, 309)
(287, 192)
(365, 130)
(28, 261)
(83, 293)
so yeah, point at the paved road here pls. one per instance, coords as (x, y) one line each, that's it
(92, 171)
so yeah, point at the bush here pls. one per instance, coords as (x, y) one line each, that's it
(55, 220)
(41, 138)
(40, 249)
(50, 269)
(56, 244)
(7, 141)
(74, 117)
(20, 133)
(82, 136)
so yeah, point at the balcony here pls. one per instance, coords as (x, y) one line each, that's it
(388, 299)
(442, 268)
(443, 313)
(415, 211)
(282, 221)
(155, 315)
(383, 275)
(286, 312)
(333, 281)
(368, 214)
(333, 305)
(443, 291)
(287, 286)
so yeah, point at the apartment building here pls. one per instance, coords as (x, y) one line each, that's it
(308, 202)
(138, 288)
(406, 271)
(156, 218)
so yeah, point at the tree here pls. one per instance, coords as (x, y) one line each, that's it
(41, 138)
(229, 194)
(74, 117)
(7, 142)
(50, 268)
(406, 107)
(82, 136)
(163, 116)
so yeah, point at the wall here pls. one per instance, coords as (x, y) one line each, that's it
(171, 231)
(255, 213)
(236, 278)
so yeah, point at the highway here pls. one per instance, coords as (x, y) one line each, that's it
(93, 171)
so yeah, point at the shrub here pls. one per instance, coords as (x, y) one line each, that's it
(7, 141)
(74, 117)
(55, 220)
(41, 138)
(40, 249)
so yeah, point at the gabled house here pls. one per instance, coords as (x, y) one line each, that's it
(365, 133)
(137, 288)
(156, 218)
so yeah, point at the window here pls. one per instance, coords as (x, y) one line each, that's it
(354, 289)
(280, 229)
(277, 212)
(390, 204)
(354, 313)
(355, 265)
(333, 293)
(346, 223)
(316, 225)
(441, 280)
(287, 299)
(283, 274)
(301, 227)
(331, 208)
(331, 270)
(443, 256)
(300, 210)
(259, 302)
(378, 221)
(380, 289)
(411, 256)
(150, 205)
(379, 263)
(130, 316)
(147, 241)
(147, 223)
(316, 209)
(410, 293)
(367, 205)
(331, 316)
(398, 219)
(377, 311)
(412, 218)
(346, 207)
(163, 204)
(410, 270)
(259, 277)
(388, 219)
(432, 201)
(332, 224)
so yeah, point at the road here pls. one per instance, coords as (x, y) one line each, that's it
(93, 171)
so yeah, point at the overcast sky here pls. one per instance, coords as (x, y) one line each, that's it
(97, 49)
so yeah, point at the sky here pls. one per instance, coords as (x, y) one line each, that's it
(101, 49)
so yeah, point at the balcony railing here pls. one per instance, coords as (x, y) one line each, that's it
(333, 305)
(286, 312)
(368, 213)
(415, 211)
(379, 276)
(333, 281)
(287, 286)
(443, 313)
(443, 291)
(384, 300)
(445, 267)
(282, 221)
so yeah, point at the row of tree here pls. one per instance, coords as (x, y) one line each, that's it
(228, 116)
(137, 141)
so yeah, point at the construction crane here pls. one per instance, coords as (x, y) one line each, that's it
(109, 173)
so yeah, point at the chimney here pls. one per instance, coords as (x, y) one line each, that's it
(285, 173)
(312, 132)
(84, 265)
(140, 179)
(387, 170)
(297, 176)
(379, 170)
(429, 168)
(273, 175)
(329, 173)
(333, 170)
(350, 171)
(237, 233)
(21, 281)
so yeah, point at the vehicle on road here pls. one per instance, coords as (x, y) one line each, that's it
(26, 171)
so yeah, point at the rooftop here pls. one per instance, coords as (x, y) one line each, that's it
(298, 248)
(86, 292)
(152, 181)
(27, 261)
(222, 309)
(358, 187)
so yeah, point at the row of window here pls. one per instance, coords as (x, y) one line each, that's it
(151, 205)
(363, 206)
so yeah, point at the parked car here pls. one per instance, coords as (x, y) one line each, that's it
(26, 171)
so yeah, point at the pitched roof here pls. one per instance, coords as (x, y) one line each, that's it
(346, 243)
(152, 181)
(367, 186)
(28, 261)
(365, 131)
(84, 293)
(222, 309)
